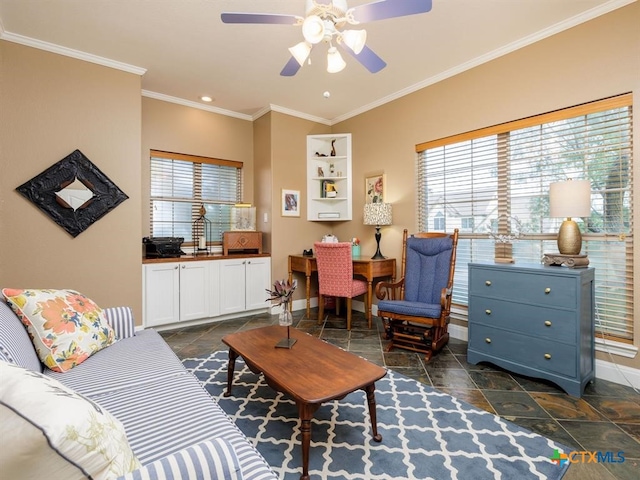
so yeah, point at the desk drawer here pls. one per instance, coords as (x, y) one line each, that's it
(551, 323)
(542, 290)
(536, 353)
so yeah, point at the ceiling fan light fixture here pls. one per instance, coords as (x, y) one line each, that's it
(335, 62)
(313, 29)
(300, 52)
(354, 39)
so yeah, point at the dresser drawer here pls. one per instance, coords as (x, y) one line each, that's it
(542, 290)
(535, 353)
(551, 323)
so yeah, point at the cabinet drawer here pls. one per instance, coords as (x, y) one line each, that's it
(551, 323)
(536, 353)
(541, 290)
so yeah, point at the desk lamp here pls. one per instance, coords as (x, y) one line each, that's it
(571, 198)
(377, 214)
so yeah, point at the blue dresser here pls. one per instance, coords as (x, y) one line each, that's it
(534, 320)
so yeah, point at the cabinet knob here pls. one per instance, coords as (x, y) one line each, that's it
(547, 356)
(547, 290)
(488, 340)
(184, 266)
(487, 283)
(175, 268)
(248, 261)
(547, 323)
(487, 311)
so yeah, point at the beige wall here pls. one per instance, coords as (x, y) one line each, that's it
(598, 59)
(51, 105)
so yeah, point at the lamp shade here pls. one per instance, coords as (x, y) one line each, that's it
(300, 52)
(571, 198)
(313, 29)
(355, 39)
(335, 62)
(377, 214)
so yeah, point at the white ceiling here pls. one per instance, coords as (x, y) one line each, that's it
(184, 50)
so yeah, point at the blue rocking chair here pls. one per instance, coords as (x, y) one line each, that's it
(415, 310)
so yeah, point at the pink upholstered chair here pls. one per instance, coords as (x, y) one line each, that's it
(335, 276)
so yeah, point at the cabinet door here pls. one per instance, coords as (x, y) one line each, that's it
(258, 280)
(232, 286)
(214, 289)
(161, 294)
(194, 290)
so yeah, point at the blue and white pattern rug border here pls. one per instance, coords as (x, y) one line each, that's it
(426, 434)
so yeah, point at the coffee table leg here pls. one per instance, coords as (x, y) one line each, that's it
(232, 365)
(371, 401)
(306, 411)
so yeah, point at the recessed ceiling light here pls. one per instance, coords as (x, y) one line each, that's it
(206, 98)
(326, 94)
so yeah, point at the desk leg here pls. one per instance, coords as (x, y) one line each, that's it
(369, 301)
(308, 292)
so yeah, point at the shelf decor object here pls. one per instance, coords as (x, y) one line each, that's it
(73, 192)
(202, 233)
(377, 214)
(570, 198)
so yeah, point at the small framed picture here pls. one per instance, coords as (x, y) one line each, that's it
(290, 203)
(374, 188)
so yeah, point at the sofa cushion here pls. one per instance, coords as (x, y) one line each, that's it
(69, 435)
(143, 358)
(15, 344)
(214, 459)
(65, 326)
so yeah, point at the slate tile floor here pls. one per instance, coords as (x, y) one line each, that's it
(606, 418)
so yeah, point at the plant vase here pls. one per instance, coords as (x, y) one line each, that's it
(285, 319)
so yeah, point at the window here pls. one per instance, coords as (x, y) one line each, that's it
(182, 184)
(495, 181)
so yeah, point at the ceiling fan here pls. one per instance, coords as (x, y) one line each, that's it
(325, 21)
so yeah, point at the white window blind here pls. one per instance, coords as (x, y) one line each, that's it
(182, 184)
(495, 182)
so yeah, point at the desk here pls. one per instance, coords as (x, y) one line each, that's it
(366, 267)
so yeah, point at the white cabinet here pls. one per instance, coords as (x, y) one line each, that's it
(243, 284)
(179, 291)
(329, 177)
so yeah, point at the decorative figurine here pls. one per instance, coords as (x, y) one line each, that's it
(333, 148)
(320, 172)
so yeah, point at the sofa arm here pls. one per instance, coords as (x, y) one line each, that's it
(213, 459)
(121, 319)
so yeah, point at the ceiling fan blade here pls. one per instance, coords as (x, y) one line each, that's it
(382, 9)
(368, 58)
(270, 18)
(291, 68)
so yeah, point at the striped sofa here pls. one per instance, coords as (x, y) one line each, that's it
(175, 429)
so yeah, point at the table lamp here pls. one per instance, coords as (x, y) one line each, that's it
(571, 198)
(377, 214)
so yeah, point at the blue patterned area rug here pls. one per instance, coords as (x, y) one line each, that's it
(426, 434)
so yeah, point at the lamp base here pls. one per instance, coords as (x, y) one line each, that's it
(571, 261)
(569, 238)
(378, 235)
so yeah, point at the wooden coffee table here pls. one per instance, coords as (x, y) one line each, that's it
(312, 372)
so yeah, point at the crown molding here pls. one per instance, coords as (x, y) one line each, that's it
(192, 104)
(304, 116)
(70, 52)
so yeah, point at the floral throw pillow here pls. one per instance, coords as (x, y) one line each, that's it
(65, 327)
(51, 432)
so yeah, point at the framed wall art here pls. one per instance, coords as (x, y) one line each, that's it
(290, 203)
(374, 188)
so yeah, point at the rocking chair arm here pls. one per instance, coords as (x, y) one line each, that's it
(389, 290)
(445, 298)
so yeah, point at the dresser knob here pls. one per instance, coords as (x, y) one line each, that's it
(547, 323)
(487, 311)
(547, 290)
(488, 340)
(547, 356)
(488, 283)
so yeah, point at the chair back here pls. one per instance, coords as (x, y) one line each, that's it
(335, 268)
(428, 262)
